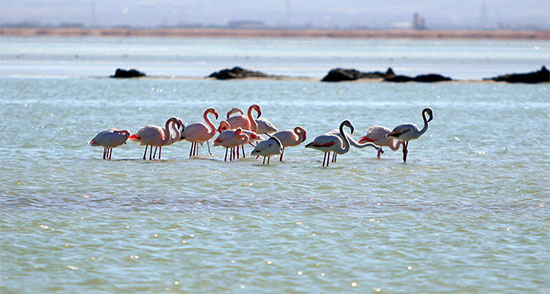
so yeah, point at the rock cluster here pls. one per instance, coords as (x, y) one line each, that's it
(132, 73)
(428, 78)
(238, 73)
(541, 76)
(343, 74)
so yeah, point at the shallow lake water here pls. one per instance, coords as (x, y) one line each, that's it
(467, 213)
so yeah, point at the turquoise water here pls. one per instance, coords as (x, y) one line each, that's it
(467, 213)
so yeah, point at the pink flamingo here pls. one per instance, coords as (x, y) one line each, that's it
(231, 139)
(290, 138)
(264, 125)
(110, 139)
(244, 122)
(378, 135)
(200, 133)
(175, 137)
(252, 137)
(332, 143)
(152, 135)
(410, 131)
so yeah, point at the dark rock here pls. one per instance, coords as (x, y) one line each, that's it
(342, 74)
(541, 76)
(237, 73)
(132, 73)
(399, 79)
(431, 78)
(389, 73)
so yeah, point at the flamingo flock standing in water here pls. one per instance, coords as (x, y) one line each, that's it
(241, 129)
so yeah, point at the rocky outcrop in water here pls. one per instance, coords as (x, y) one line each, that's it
(428, 78)
(541, 76)
(343, 74)
(132, 73)
(238, 73)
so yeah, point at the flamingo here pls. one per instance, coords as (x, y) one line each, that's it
(110, 139)
(152, 135)
(291, 138)
(252, 136)
(410, 131)
(353, 143)
(231, 139)
(175, 137)
(378, 135)
(339, 144)
(268, 148)
(200, 132)
(244, 122)
(264, 125)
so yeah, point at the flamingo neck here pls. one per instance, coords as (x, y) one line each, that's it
(425, 128)
(301, 134)
(167, 132)
(344, 137)
(253, 124)
(395, 147)
(209, 123)
(234, 110)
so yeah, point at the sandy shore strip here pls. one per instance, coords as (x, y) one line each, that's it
(274, 33)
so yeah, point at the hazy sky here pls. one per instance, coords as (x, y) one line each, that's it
(318, 13)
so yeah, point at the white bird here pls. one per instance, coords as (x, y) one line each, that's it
(110, 139)
(332, 143)
(410, 131)
(268, 148)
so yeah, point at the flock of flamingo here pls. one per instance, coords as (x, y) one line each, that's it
(241, 129)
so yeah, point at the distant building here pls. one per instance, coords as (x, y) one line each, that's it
(418, 22)
(245, 24)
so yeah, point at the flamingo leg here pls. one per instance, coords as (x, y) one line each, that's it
(244, 156)
(334, 157)
(283, 152)
(151, 152)
(379, 152)
(160, 151)
(405, 151)
(268, 158)
(155, 154)
(208, 144)
(145, 153)
(110, 153)
(104, 149)
(196, 150)
(191, 150)
(324, 159)
(232, 154)
(263, 163)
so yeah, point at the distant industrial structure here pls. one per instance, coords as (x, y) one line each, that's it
(418, 22)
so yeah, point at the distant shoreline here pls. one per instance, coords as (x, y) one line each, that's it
(273, 33)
